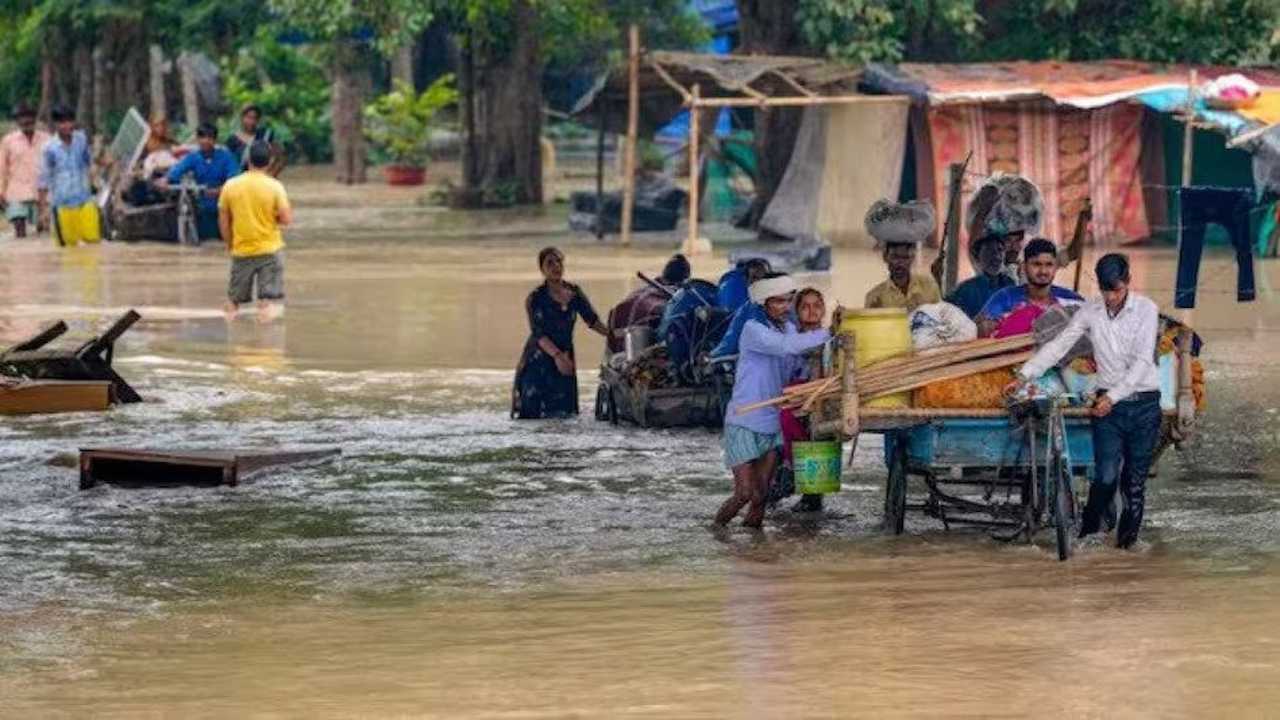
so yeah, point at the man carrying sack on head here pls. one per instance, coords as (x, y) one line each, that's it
(899, 229)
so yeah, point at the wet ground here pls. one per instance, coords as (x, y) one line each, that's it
(457, 563)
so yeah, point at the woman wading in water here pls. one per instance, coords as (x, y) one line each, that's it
(546, 383)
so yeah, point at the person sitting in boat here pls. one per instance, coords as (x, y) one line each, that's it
(988, 258)
(899, 228)
(768, 358)
(645, 304)
(546, 382)
(1013, 310)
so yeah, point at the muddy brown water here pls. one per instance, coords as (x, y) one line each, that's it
(455, 563)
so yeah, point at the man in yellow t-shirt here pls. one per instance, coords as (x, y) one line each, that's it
(251, 210)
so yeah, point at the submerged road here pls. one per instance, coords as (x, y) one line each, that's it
(456, 563)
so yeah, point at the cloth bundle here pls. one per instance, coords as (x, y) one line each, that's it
(939, 324)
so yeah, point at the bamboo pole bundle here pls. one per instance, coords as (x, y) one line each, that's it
(907, 372)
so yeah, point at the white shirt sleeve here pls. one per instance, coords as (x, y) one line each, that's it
(767, 341)
(1051, 352)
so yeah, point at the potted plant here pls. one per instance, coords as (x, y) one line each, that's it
(400, 123)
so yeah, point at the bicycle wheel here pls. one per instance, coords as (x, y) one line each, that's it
(895, 491)
(1063, 507)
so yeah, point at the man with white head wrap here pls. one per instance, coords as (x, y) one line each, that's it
(768, 356)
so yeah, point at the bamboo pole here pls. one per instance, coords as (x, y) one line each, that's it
(633, 128)
(870, 413)
(695, 111)
(1188, 134)
(718, 102)
(1188, 142)
(1186, 398)
(953, 372)
(849, 402)
(951, 241)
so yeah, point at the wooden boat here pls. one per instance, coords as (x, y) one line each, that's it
(33, 397)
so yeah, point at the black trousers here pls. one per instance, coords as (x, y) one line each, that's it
(1229, 207)
(1123, 442)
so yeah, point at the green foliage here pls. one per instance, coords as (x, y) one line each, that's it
(290, 87)
(393, 23)
(862, 31)
(400, 121)
(1197, 31)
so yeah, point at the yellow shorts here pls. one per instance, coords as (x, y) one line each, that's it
(74, 225)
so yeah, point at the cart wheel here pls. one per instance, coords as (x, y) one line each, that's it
(1064, 510)
(895, 491)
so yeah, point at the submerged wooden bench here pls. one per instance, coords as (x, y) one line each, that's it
(137, 468)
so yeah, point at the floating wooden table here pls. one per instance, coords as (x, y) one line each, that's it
(133, 468)
(34, 397)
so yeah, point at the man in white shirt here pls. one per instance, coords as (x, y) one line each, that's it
(1122, 326)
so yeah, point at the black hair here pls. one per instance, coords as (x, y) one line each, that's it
(62, 113)
(677, 270)
(806, 291)
(1112, 269)
(547, 252)
(23, 110)
(207, 130)
(251, 109)
(756, 262)
(260, 154)
(1039, 246)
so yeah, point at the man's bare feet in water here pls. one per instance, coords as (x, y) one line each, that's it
(268, 311)
(230, 309)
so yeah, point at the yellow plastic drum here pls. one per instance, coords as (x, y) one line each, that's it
(881, 333)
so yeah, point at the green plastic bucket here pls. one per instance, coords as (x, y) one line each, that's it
(817, 467)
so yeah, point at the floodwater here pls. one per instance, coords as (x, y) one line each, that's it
(455, 563)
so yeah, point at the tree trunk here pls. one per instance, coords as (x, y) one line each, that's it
(350, 81)
(156, 73)
(190, 96)
(100, 101)
(83, 60)
(769, 27)
(46, 90)
(502, 156)
(402, 64)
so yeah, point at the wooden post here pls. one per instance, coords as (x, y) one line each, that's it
(1189, 132)
(951, 268)
(633, 127)
(599, 172)
(1186, 398)
(849, 385)
(158, 104)
(100, 85)
(695, 168)
(1188, 138)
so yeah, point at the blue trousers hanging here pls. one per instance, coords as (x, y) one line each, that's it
(1229, 207)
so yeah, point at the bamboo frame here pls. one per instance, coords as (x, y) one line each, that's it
(633, 126)
(695, 168)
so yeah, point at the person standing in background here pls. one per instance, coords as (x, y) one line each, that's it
(63, 183)
(20, 172)
(252, 208)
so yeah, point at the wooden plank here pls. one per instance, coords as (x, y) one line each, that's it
(40, 339)
(35, 397)
(185, 467)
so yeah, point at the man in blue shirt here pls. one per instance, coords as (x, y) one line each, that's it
(63, 182)
(987, 254)
(1040, 264)
(211, 166)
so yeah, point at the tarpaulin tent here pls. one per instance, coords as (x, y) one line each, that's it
(1081, 131)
